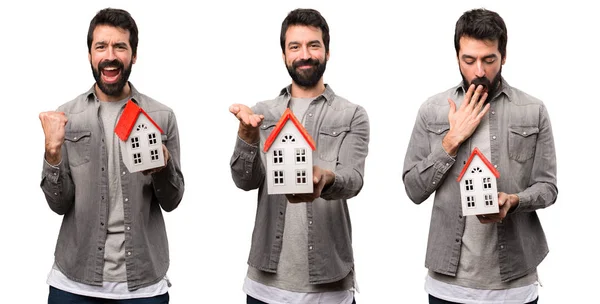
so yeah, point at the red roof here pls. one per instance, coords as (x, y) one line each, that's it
(288, 115)
(128, 119)
(485, 161)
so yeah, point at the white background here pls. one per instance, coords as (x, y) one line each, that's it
(200, 59)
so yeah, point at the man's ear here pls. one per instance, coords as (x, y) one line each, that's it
(134, 59)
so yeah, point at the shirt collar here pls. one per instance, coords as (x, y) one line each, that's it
(328, 94)
(91, 93)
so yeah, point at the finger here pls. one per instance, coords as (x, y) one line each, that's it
(482, 100)
(452, 107)
(319, 187)
(255, 120)
(475, 98)
(244, 118)
(468, 96)
(483, 112)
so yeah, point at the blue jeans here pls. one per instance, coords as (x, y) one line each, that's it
(434, 300)
(57, 296)
(251, 300)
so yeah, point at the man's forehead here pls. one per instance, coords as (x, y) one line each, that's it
(109, 30)
(474, 45)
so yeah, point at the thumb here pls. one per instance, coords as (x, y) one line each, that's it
(234, 109)
(452, 106)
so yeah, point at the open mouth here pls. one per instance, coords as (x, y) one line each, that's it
(111, 74)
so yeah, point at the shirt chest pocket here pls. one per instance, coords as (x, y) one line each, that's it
(437, 131)
(78, 147)
(330, 140)
(521, 142)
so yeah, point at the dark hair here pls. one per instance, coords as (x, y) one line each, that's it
(481, 24)
(307, 17)
(117, 18)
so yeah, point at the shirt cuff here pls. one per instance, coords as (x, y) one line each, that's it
(246, 150)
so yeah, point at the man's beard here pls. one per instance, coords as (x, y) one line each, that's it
(307, 78)
(492, 87)
(112, 89)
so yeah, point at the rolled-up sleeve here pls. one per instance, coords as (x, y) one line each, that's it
(168, 183)
(57, 185)
(543, 190)
(426, 163)
(349, 170)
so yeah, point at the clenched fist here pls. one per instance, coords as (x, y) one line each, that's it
(53, 124)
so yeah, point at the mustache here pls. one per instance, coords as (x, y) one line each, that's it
(115, 63)
(482, 81)
(309, 61)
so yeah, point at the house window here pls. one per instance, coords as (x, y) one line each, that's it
(300, 155)
(278, 156)
(152, 138)
(476, 169)
(470, 202)
(141, 127)
(154, 154)
(301, 177)
(137, 158)
(288, 138)
(487, 183)
(469, 184)
(135, 142)
(488, 200)
(278, 177)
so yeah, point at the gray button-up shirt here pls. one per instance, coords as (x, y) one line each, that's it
(341, 132)
(78, 189)
(522, 149)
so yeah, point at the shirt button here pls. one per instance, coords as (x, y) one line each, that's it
(101, 224)
(55, 193)
(494, 137)
(99, 248)
(309, 247)
(310, 114)
(334, 133)
(501, 246)
(495, 166)
(493, 112)
(54, 173)
(310, 222)
(457, 240)
(460, 216)
(439, 130)
(126, 199)
(251, 152)
(128, 228)
(128, 252)
(123, 172)
(447, 164)
(75, 138)
(524, 133)
(247, 172)
(434, 183)
(102, 168)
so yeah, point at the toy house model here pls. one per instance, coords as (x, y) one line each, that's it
(478, 191)
(289, 157)
(141, 142)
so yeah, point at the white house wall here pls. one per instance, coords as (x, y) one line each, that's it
(478, 191)
(145, 148)
(289, 165)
